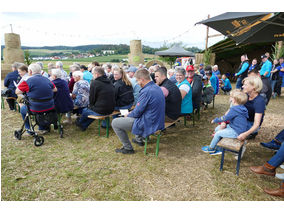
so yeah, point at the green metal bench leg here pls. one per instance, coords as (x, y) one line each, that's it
(193, 119)
(99, 127)
(59, 122)
(184, 120)
(157, 145)
(145, 146)
(107, 126)
(2, 103)
(222, 159)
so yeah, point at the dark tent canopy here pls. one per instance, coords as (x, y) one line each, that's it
(249, 27)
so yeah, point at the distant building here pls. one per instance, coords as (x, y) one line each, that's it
(107, 52)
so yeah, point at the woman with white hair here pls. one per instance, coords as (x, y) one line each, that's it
(59, 65)
(62, 100)
(81, 91)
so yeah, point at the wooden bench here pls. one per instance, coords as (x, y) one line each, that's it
(231, 145)
(158, 135)
(107, 119)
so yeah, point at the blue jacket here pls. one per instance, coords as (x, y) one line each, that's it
(186, 104)
(62, 100)
(9, 81)
(149, 112)
(237, 116)
(266, 67)
(215, 83)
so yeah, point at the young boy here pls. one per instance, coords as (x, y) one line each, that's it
(207, 92)
(237, 116)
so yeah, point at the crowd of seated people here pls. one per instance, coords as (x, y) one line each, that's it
(100, 89)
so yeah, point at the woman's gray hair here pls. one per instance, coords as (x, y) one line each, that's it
(56, 72)
(75, 67)
(35, 68)
(59, 64)
(40, 64)
(78, 74)
(115, 67)
(180, 70)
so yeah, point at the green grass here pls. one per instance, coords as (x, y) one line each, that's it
(84, 166)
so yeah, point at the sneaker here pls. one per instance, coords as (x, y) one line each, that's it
(217, 152)
(280, 176)
(271, 145)
(139, 143)
(282, 166)
(124, 151)
(207, 149)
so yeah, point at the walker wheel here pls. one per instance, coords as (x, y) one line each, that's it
(18, 134)
(38, 141)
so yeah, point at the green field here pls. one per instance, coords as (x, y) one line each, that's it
(83, 166)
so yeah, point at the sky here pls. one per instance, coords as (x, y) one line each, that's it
(51, 23)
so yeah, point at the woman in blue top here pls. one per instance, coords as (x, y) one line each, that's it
(185, 90)
(255, 106)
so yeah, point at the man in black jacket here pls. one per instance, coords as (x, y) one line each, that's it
(171, 93)
(102, 101)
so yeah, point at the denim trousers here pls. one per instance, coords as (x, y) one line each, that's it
(273, 83)
(228, 132)
(278, 158)
(280, 137)
(239, 83)
(23, 112)
(84, 120)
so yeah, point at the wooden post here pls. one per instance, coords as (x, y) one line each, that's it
(207, 35)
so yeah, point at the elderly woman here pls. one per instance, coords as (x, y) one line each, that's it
(81, 91)
(255, 106)
(62, 100)
(185, 90)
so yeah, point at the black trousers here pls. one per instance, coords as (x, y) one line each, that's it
(277, 87)
(11, 103)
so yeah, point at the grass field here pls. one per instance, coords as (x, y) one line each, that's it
(84, 166)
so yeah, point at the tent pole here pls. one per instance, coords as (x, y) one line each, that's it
(207, 35)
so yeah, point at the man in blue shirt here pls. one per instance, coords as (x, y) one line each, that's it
(136, 88)
(213, 79)
(147, 117)
(201, 70)
(281, 76)
(216, 71)
(266, 67)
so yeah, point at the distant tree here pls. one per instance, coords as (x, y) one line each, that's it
(28, 58)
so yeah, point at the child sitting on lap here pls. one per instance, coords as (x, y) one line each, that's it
(237, 117)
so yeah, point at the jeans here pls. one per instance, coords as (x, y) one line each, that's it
(280, 137)
(273, 83)
(239, 83)
(121, 126)
(84, 120)
(23, 112)
(228, 132)
(278, 158)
